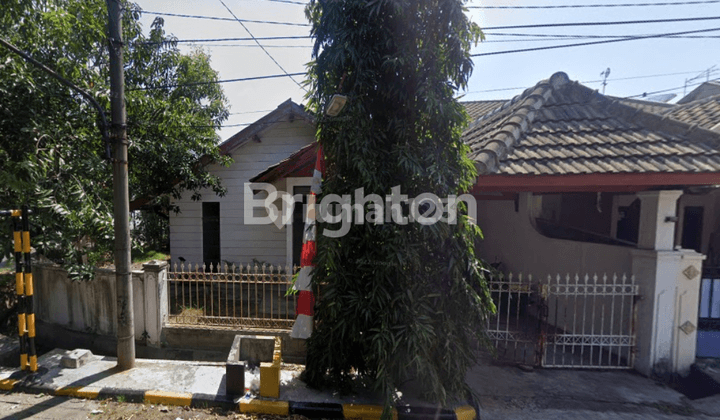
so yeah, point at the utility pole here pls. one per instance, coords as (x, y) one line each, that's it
(121, 200)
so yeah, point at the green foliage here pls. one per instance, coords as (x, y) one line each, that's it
(400, 302)
(51, 152)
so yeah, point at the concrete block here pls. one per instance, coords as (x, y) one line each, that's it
(256, 348)
(76, 358)
(234, 378)
(270, 380)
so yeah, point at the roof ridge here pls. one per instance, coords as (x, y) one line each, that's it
(692, 104)
(516, 123)
(662, 122)
(285, 109)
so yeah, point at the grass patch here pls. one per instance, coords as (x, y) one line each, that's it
(138, 257)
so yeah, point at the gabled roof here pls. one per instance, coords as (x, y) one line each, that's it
(560, 127)
(299, 164)
(706, 89)
(286, 111)
(648, 106)
(703, 112)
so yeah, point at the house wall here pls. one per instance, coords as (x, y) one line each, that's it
(239, 242)
(511, 239)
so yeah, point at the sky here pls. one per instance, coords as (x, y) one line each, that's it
(637, 67)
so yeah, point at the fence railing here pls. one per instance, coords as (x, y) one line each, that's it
(565, 321)
(248, 296)
(709, 313)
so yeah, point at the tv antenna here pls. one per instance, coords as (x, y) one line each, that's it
(706, 74)
(605, 75)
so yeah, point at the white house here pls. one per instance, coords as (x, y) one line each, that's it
(213, 229)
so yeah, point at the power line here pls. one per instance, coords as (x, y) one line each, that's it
(593, 81)
(489, 28)
(250, 112)
(622, 22)
(644, 94)
(583, 36)
(292, 2)
(269, 22)
(253, 45)
(631, 38)
(587, 6)
(261, 47)
(261, 38)
(243, 79)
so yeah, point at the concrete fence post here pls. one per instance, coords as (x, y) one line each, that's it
(156, 303)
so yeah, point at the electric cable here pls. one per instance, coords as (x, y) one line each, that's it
(242, 79)
(580, 44)
(588, 6)
(269, 22)
(261, 47)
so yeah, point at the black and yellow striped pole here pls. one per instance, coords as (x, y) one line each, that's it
(29, 291)
(24, 288)
(20, 285)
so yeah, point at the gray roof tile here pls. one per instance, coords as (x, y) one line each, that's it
(561, 127)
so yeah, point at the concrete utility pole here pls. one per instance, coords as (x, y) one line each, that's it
(121, 200)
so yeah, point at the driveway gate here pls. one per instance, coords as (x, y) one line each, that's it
(565, 321)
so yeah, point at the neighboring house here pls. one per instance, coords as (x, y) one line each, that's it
(570, 181)
(212, 230)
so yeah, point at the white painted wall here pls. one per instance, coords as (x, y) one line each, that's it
(239, 243)
(511, 238)
(90, 306)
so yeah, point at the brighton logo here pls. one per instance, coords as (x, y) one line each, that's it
(261, 201)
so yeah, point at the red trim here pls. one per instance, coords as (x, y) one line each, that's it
(592, 182)
(320, 160)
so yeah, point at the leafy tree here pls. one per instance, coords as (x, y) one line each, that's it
(52, 156)
(399, 302)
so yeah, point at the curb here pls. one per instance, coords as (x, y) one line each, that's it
(129, 395)
(351, 411)
(244, 405)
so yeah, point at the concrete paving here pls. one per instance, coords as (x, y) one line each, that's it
(503, 392)
(46, 407)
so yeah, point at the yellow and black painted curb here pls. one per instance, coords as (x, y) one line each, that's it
(128, 395)
(245, 405)
(351, 411)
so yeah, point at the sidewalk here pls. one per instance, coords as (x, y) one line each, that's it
(505, 392)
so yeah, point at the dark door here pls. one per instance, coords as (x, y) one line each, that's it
(692, 228)
(211, 233)
(628, 224)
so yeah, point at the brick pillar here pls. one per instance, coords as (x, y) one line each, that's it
(669, 288)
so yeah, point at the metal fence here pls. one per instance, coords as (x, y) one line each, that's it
(248, 296)
(709, 313)
(565, 321)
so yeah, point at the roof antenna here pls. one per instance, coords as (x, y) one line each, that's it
(605, 75)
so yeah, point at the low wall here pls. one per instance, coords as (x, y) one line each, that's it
(220, 340)
(74, 314)
(88, 306)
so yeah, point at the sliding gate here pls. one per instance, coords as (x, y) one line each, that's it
(565, 321)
